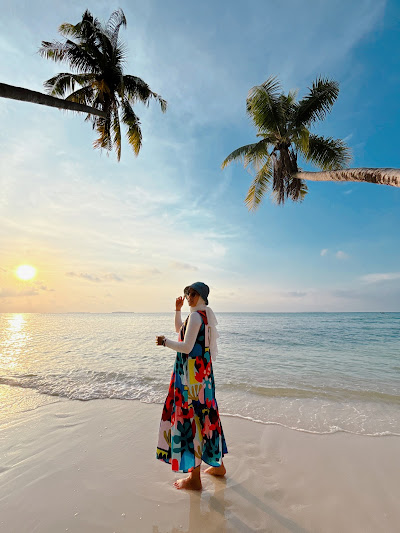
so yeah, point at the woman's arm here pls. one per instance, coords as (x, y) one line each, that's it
(178, 317)
(178, 321)
(192, 330)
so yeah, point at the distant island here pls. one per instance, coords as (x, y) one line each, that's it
(122, 312)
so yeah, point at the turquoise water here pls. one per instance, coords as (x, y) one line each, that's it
(317, 372)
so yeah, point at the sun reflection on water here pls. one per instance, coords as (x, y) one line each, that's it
(16, 338)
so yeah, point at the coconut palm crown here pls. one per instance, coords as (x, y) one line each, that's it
(283, 126)
(96, 55)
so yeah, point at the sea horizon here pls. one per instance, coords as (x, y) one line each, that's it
(183, 311)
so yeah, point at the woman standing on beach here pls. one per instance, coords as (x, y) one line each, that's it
(190, 428)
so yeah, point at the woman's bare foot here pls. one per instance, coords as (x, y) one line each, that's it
(216, 470)
(192, 482)
(188, 483)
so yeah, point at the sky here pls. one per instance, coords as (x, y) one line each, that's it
(107, 236)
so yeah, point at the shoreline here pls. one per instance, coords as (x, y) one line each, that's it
(91, 467)
(11, 395)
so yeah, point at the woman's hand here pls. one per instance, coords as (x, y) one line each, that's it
(160, 340)
(179, 303)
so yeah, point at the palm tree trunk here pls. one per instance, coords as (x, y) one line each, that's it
(26, 95)
(381, 176)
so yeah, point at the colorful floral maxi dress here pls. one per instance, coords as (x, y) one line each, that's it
(190, 428)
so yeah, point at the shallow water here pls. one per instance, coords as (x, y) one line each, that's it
(318, 372)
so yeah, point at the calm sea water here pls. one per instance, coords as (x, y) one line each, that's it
(317, 372)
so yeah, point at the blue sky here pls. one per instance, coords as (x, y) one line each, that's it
(109, 236)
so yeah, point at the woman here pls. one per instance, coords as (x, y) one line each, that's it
(190, 428)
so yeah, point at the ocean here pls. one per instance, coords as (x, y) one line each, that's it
(313, 372)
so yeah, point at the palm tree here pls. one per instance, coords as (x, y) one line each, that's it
(283, 126)
(26, 95)
(96, 56)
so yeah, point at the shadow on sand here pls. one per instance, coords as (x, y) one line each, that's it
(220, 506)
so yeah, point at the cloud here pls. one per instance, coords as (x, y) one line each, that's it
(83, 275)
(379, 277)
(96, 279)
(113, 277)
(176, 265)
(347, 294)
(294, 294)
(339, 254)
(348, 137)
(12, 293)
(42, 287)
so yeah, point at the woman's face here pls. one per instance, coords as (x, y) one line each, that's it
(192, 297)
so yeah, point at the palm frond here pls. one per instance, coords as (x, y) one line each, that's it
(135, 89)
(327, 153)
(65, 81)
(163, 103)
(238, 155)
(69, 30)
(258, 155)
(134, 134)
(119, 54)
(77, 57)
(85, 95)
(103, 127)
(116, 134)
(300, 138)
(263, 106)
(288, 104)
(116, 20)
(254, 155)
(259, 186)
(90, 27)
(318, 102)
(296, 189)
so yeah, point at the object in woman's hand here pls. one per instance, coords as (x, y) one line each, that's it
(161, 340)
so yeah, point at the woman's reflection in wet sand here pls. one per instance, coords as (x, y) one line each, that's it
(207, 511)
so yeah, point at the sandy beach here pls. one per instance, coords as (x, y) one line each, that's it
(90, 467)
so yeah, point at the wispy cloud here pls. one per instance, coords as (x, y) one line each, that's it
(379, 277)
(113, 277)
(39, 285)
(176, 265)
(94, 278)
(82, 275)
(294, 294)
(339, 254)
(13, 293)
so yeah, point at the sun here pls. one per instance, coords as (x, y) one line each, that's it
(26, 272)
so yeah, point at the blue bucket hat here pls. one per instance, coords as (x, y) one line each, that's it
(201, 288)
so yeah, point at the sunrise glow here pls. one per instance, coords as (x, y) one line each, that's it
(26, 272)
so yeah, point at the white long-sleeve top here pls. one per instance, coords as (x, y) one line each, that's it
(192, 330)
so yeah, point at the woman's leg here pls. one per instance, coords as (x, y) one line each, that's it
(192, 482)
(216, 470)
